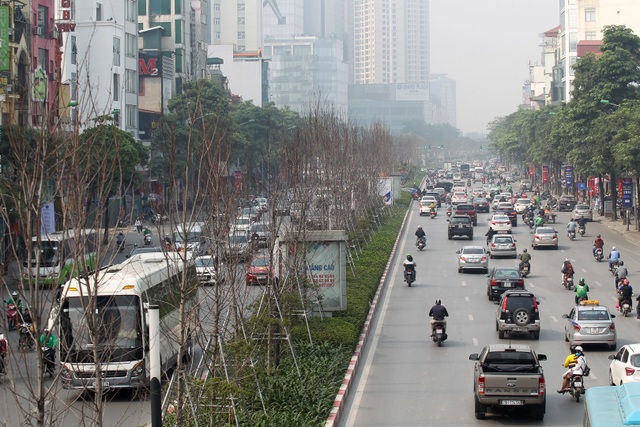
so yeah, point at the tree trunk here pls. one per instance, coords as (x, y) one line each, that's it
(614, 196)
(105, 240)
(601, 192)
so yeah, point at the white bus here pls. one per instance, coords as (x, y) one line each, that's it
(60, 256)
(118, 310)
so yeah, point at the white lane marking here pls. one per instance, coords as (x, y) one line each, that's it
(531, 285)
(466, 299)
(583, 270)
(554, 318)
(464, 283)
(598, 283)
(475, 341)
(593, 376)
(471, 317)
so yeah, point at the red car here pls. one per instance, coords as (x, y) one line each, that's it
(259, 271)
(467, 209)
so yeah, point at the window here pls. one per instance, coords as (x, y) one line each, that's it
(160, 7)
(130, 116)
(573, 19)
(240, 7)
(217, 35)
(116, 51)
(573, 42)
(178, 60)
(142, 7)
(116, 87)
(98, 12)
(130, 78)
(74, 51)
(131, 45)
(590, 35)
(43, 58)
(43, 11)
(216, 7)
(590, 14)
(216, 21)
(241, 20)
(131, 12)
(177, 6)
(241, 35)
(178, 31)
(74, 87)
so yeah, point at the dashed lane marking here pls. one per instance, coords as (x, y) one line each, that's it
(554, 318)
(583, 270)
(531, 285)
(475, 341)
(598, 283)
(466, 299)
(471, 317)
(464, 283)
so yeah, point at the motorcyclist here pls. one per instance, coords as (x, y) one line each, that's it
(625, 293)
(525, 258)
(438, 313)
(409, 263)
(490, 234)
(614, 257)
(146, 231)
(120, 239)
(15, 299)
(48, 340)
(578, 369)
(420, 235)
(581, 291)
(539, 221)
(567, 270)
(26, 316)
(571, 227)
(432, 206)
(621, 273)
(598, 243)
(582, 222)
(571, 359)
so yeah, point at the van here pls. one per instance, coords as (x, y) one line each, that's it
(191, 237)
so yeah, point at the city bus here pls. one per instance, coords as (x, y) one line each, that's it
(615, 406)
(60, 255)
(115, 300)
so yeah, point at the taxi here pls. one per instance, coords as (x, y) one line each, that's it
(590, 323)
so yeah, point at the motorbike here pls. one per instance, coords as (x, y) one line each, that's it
(613, 266)
(599, 254)
(576, 387)
(432, 213)
(572, 234)
(12, 316)
(147, 240)
(525, 267)
(625, 307)
(439, 332)
(581, 230)
(121, 245)
(420, 243)
(49, 360)
(568, 282)
(449, 211)
(409, 275)
(26, 342)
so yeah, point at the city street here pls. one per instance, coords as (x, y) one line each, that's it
(404, 379)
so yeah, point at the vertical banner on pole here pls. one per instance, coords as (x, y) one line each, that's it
(627, 193)
(545, 174)
(568, 176)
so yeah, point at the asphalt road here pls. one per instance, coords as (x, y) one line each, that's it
(123, 408)
(404, 379)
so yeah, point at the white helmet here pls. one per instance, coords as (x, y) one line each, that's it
(613, 248)
(578, 348)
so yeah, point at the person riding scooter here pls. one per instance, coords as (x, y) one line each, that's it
(432, 208)
(421, 235)
(571, 228)
(598, 243)
(525, 258)
(438, 313)
(120, 241)
(566, 270)
(582, 290)
(409, 264)
(614, 257)
(578, 369)
(625, 293)
(582, 224)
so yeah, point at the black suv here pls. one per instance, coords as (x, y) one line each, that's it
(503, 279)
(460, 225)
(518, 312)
(567, 203)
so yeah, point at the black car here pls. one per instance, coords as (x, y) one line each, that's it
(502, 279)
(518, 312)
(460, 225)
(482, 204)
(567, 203)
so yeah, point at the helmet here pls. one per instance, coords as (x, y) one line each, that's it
(578, 349)
(438, 302)
(409, 257)
(625, 281)
(419, 227)
(582, 280)
(14, 294)
(566, 260)
(524, 250)
(598, 235)
(613, 248)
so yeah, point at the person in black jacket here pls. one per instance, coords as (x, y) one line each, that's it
(438, 313)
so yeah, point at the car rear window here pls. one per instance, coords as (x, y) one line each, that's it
(473, 251)
(515, 357)
(507, 274)
(593, 315)
(503, 239)
(459, 220)
(515, 302)
(465, 207)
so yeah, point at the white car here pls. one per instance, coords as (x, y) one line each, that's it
(458, 198)
(206, 270)
(625, 365)
(521, 205)
(242, 224)
(424, 204)
(500, 224)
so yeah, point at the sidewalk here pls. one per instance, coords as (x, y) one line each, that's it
(620, 227)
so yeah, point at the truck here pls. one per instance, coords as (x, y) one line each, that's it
(447, 167)
(508, 377)
(465, 170)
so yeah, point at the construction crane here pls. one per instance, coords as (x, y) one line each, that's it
(282, 20)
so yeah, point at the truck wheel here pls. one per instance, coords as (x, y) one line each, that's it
(537, 412)
(480, 410)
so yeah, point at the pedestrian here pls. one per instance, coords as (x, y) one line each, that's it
(138, 225)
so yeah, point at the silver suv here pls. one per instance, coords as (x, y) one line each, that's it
(518, 312)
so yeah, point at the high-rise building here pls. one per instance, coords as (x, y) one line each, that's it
(390, 41)
(283, 19)
(237, 22)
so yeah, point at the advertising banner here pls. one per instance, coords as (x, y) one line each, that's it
(545, 174)
(326, 262)
(568, 175)
(48, 219)
(4, 40)
(627, 193)
(384, 190)
(532, 171)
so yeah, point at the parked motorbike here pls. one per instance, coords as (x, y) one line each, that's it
(576, 387)
(439, 332)
(572, 234)
(409, 275)
(49, 360)
(26, 341)
(599, 254)
(568, 282)
(581, 230)
(525, 267)
(12, 316)
(420, 243)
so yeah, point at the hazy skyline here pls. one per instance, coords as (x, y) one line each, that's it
(486, 47)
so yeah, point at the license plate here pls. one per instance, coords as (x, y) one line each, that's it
(511, 402)
(503, 247)
(578, 384)
(439, 331)
(474, 260)
(507, 285)
(104, 384)
(593, 330)
(519, 329)
(261, 277)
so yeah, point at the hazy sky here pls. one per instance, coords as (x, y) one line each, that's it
(486, 46)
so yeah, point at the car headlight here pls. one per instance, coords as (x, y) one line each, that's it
(138, 370)
(65, 373)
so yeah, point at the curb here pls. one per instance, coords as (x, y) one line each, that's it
(338, 403)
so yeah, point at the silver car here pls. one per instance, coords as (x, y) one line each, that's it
(503, 245)
(590, 323)
(544, 236)
(473, 258)
(582, 210)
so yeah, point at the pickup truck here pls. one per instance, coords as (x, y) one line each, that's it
(509, 377)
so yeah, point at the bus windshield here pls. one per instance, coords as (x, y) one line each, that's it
(49, 254)
(118, 329)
